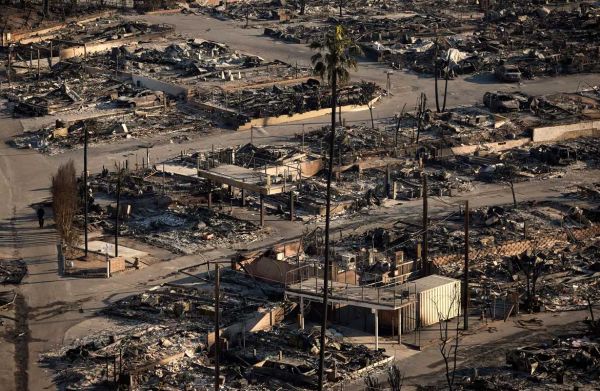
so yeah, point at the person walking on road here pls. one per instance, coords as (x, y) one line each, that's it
(40, 215)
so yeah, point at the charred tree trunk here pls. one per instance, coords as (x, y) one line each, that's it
(446, 87)
(512, 189)
(435, 75)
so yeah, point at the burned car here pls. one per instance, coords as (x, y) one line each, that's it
(508, 73)
(556, 155)
(299, 375)
(146, 98)
(505, 101)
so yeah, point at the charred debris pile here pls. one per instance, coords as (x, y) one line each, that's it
(239, 107)
(12, 271)
(197, 59)
(151, 120)
(516, 41)
(567, 361)
(164, 338)
(165, 210)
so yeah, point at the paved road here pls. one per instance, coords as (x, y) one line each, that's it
(49, 305)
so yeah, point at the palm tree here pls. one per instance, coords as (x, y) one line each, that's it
(334, 58)
(446, 68)
(435, 73)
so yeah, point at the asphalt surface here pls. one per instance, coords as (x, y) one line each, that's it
(49, 305)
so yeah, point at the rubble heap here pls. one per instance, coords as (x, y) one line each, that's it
(195, 57)
(154, 121)
(12, 271)
(287, 355)
(247, 104)
(162, 340)
(569, 361)
(188, 229)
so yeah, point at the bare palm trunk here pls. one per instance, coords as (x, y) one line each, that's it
(512, 189)
(446, 88)
(435, 74)
(327, 223)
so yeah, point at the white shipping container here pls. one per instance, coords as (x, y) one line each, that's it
(438, 298)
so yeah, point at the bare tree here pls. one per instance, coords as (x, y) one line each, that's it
(445, 65)
(507, 173)
(395, 378)
(511, 183)
(532, 267)
(446, 77)
(65, 203)
(591, 294)
(373, 384)
(448, 341)
(421, 111)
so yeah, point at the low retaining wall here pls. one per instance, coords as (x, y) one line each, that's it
(27, 37)
(157, 85)
(89, 48)
(266, 84)
(302, 116)
(497, 146)
(281, 272)
(257, 322)
(565, 132)
(320, 209)
(117, 265)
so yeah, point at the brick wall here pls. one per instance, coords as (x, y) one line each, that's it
(520, 246)
(117, 264)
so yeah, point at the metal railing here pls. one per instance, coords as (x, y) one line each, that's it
(308, 280)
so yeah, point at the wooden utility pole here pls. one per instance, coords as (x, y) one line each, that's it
(291, 205)
(397, 131)
(8, 75)
(512, 189)
(388, 186)
(117, 214)
(426, 265)
(466, 271)
(217, 329)
(85, 189)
